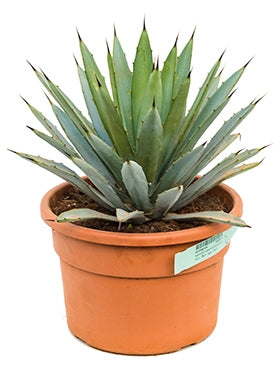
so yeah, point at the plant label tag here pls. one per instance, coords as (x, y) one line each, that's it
(202, 251)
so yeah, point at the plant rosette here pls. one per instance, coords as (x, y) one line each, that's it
(142, 150)
(121, 291)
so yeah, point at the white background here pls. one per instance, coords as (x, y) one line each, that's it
(33, 330)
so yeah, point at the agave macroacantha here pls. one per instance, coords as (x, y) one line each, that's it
(139, 145)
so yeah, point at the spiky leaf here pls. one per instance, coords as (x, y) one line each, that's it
(123, 78)
(106, 108)
(64, 149)
(136, 217)
(183, 65)
(112, 123)
(82, 214)
(217, 143)
(99, 182)
(91, 106)
(172, 124)
(108, 157)
(152, 96)
(167, 80)
(149, 144)
(212, 108)
(65, 103)
(70, 176)
(142, 68)
(91, 69)
(81, 141)
(210, 216)
(165, 201)
(136, 184)
(50, 127)
(199, 100)
(180, 171)
(214, 176)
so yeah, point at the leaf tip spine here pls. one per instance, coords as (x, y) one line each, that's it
(176, 41)
(256, 101)
(221, 71)
(79, 36)
(12, 151)
(249, 61)
(144, 23)
(98, 81)
(264, 147)
(157, 63)
(26, 102)
(46, 77)
(34, 69)
(77, 64)
(230, 95)
(108, 48)
(221, 57)
(48, 98)
(194, 30)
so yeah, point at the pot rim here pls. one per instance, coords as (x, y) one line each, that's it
(137, 239)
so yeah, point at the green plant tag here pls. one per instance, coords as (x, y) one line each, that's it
(202, 251)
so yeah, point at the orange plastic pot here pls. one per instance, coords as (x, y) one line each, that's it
(120, 290)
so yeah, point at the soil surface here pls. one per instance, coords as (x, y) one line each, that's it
(73, 198)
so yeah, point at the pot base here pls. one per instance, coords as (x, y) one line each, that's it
(142, 316)
(139, 354)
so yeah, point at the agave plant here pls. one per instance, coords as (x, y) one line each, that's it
(139, 145)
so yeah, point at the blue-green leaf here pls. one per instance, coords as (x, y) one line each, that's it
(123, 78)
(92, 110)
(50, 127)
(109, 158)
(149, 144)
(80, 140)
(167, 79)
(171, 127)
(57, 144)
(142, 68)
(70, 176)
(65, 103)
(180, 171)
(136, 217)
(210, 216)
(152, 96)
(212, 108)
(183, 65)
(165, 201)
(107, 110)
(215, 176)
(216, 144)
(198, 102)
(136, 184)
(100, 182)
(81, 214)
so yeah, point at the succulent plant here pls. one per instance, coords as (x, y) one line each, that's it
(139, 145)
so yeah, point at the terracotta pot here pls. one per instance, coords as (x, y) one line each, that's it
(120, 290)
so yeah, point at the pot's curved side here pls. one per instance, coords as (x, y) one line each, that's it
(142, 316)
(120, 290)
